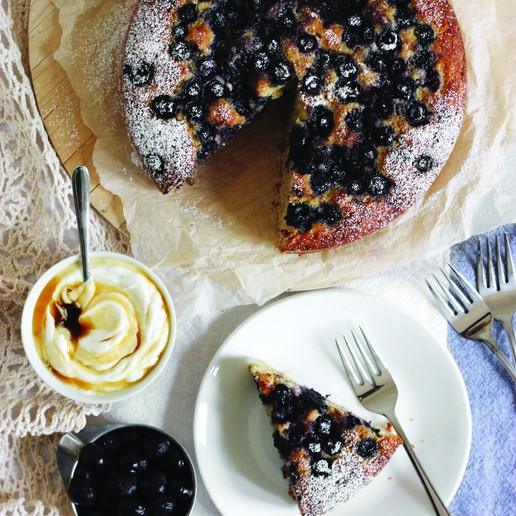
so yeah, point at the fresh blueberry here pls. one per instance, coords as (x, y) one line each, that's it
(347, 90)
(110, 442)
(175, 463)
(162, 505)
(182, 490)
(306, 43)
(152, 483)
(139, 74)
(329, 214)
(154, 164)
(311, 83)
(387, 41)
(367, 448)
(183, 51)
(321, 121)
(416, 113)
(321, 468)
(281, 72)
(133, 461)
(83, 493)
(378, 186)
(424, 163)
(82, 473)
(132, 507)
(164, 106)
(300, 216)
(313, 399)
(346, 67)
(425, 34)
(188, 13)
(93, 457)
(122, 486)
(156, 444)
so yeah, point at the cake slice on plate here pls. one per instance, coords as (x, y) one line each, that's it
(329, 453)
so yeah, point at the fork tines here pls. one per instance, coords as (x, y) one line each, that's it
(362, 367)
(455, 294)
(504, 268)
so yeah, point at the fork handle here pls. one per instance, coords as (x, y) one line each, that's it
(437, 503)
(509, 329)
(493, 346)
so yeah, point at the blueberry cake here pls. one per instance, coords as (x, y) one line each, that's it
(378, 89)
(329, 453)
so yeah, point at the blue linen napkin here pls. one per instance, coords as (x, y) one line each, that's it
(488, 487)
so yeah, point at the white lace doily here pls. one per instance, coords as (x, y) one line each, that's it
(37, 229)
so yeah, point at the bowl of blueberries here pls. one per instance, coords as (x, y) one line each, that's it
(120, 469)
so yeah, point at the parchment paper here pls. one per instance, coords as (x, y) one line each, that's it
(220, 233)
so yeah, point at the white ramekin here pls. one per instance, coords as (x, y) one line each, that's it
(69, 390)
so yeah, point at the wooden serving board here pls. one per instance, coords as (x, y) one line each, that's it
(59, 107)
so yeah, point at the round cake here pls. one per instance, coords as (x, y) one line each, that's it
(379, 92)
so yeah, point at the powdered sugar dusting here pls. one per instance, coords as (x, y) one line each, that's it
(148, 40)
(318, 495)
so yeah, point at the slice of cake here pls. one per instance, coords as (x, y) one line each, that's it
(329, 453)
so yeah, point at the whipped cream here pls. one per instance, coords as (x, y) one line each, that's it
(104, 334)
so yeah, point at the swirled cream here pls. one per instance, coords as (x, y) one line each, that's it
(104, 334)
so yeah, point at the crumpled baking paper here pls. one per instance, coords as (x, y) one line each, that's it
(218, 236)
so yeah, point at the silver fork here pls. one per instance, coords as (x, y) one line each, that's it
(468, 315)
(379, 394)
(499, 289)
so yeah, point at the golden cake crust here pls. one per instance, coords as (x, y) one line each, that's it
(364, 215)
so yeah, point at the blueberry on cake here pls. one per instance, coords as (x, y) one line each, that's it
(329, 453)
(378, 86)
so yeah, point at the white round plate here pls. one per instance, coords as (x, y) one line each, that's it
(233, 440)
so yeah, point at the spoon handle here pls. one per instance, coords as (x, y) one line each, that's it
(81, 196)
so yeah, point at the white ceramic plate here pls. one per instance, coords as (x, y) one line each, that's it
(233, 441)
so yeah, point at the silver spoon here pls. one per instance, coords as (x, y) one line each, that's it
(81, 197)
